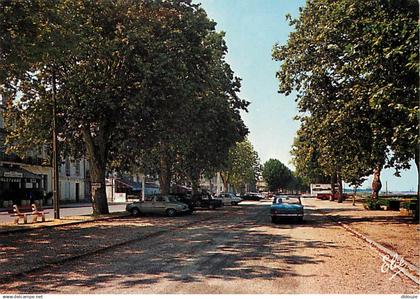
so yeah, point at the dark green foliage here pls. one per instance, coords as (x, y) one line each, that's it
(354, 65)
(133, 79)
(276, 174)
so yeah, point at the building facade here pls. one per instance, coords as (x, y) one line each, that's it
(213, 185)
(128, 187)
(29, 180)
(74, 180)
(22, 180)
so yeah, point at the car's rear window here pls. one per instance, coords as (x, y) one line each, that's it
(287, 200)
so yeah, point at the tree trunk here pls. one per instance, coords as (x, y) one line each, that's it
(354, 195)
(211, 186)
(195, 183)
(97, 164)
(333, 179)
(376, 182)
(165, 175)
(225, 181)
(99, 200)
(340, 187)
(195, 186)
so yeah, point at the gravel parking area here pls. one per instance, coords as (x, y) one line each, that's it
(235, 250)
(389, 228)
(24, 251)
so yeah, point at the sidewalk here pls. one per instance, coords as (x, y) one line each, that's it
(388, 228)
(68, 205)
(75, 205)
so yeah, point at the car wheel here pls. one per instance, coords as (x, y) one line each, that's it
(211, 207)
(300, 219)
(234, 203)
(170, 212)
(135, 212)
(273, 220)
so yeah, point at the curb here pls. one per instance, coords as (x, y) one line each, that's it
(386, 253)
(26, 229)
(4, 211)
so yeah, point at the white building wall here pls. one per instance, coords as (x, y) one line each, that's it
(69, 177)
(214, 185)
(219, 184)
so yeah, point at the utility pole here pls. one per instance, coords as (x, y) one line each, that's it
(143, 186)
(56, 194)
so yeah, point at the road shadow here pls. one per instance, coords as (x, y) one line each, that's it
(240, 243)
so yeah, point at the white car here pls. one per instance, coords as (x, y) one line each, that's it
(229, 198)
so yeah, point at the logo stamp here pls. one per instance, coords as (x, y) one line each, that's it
(395, 263)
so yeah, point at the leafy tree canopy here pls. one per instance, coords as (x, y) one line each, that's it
(128, 75)
(242, 166)
(354, 66)
(276, 174)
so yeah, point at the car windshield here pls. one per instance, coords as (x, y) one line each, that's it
(286, 200)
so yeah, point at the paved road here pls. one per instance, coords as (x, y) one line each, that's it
(67, 211)
(232, 250)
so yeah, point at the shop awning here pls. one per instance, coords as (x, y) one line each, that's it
(18, 172)
(135, 186)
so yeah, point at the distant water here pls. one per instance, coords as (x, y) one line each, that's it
(382, 192)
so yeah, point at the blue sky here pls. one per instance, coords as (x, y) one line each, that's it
(252, 28)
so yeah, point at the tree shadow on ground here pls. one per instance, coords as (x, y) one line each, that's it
(397, 219)
(240, 244)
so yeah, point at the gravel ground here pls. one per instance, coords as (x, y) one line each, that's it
(234, 250)
(24, 251)
(388, 228)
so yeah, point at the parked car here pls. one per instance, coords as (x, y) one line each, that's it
(185, 198)
(326, 196)
(286, 207)
(205, 200)
(158, 204)
(252, 196)
(229, 198)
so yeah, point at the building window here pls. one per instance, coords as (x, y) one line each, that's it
(67, 167)
(67, 190)
(77, 165)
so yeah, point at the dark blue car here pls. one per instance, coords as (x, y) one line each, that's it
(286, 207)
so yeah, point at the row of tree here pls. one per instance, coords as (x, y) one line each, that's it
(139, 86)
(279, 177)
(354, 66)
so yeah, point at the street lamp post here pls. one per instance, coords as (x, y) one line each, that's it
(143, 186)
(56, 195)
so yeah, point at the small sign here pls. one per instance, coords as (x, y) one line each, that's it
(93, 188)
(96, 185)
(120, 197)
(12, 174)
(9, 180)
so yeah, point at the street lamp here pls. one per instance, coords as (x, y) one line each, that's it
(56, 195)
